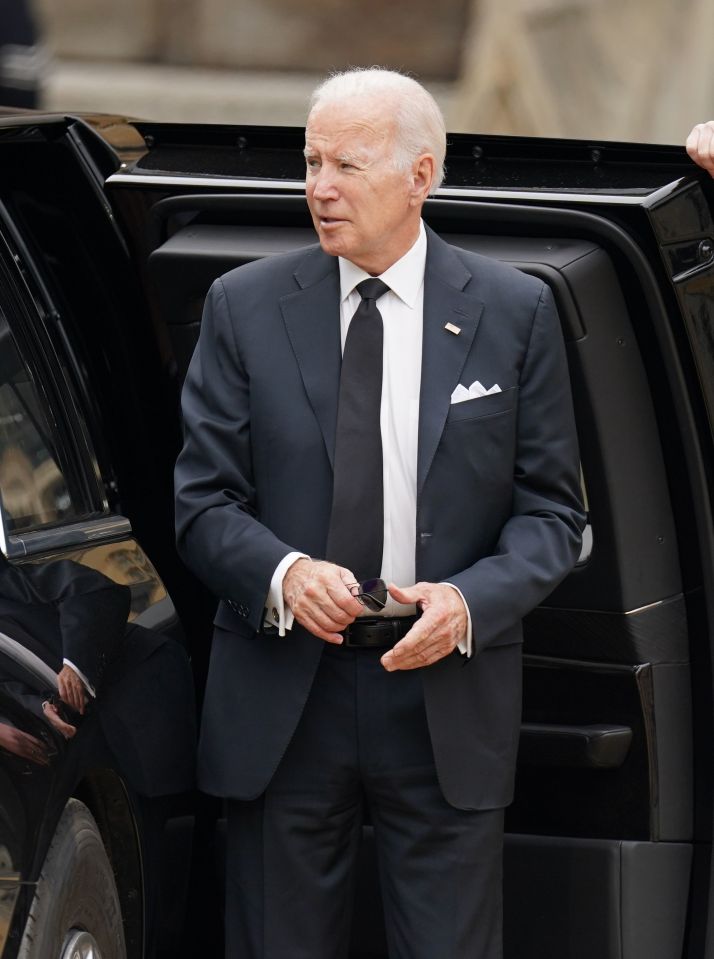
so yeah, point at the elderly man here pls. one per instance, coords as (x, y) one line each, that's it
(380, 404)
(700, 145)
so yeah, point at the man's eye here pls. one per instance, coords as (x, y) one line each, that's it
(312, 164)
(346, 166)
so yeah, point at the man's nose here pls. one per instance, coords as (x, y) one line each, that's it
(324, 186)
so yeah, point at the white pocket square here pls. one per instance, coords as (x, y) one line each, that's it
(476, 389)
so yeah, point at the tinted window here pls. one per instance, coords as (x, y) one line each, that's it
(33, 487)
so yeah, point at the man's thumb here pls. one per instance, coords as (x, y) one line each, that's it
(406, 595)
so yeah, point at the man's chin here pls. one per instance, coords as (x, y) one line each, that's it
(332, 246)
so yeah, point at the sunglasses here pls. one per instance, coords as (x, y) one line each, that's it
(372, 593)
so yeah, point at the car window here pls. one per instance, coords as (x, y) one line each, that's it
(32, 484)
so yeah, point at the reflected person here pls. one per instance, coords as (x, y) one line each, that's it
(138, 680)
(72, 617)
(126, 691)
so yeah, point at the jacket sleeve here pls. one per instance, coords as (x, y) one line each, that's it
(218, 534)
(540, 542)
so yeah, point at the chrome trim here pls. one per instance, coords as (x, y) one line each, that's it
(121, 179)
(454, 193)
(667, 192)
(80, 945)
(548, 196)
(26, 658)
(84, 533)
(616, 612)
(659, 602)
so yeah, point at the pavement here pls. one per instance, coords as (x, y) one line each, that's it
(187, 95)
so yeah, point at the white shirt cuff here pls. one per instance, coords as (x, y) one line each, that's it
(88, 686)
(464, 645)
(276, 611)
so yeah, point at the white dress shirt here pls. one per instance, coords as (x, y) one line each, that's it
(402, 310)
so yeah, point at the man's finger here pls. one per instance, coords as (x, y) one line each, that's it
(420, 647)
(406, 596)
(416, 657)
(56, 720)
(71, 693)
(312, 626)
(344, 599)
(331, 618)
(327, 623)
(700, 145)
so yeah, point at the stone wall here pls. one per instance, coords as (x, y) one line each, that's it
(302, 35)
(99, 29)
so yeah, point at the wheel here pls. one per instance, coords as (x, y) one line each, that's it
(75, 913)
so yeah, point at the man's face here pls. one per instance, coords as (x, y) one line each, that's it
(362, 207)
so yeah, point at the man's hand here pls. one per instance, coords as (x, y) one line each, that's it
(317, 592)
(436, 633)
(71, 689)
(23, 745)
(700, 145)
(52, 716)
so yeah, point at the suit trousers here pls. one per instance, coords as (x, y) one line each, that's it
(362, 746)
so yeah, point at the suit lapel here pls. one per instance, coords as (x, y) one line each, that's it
(443, 352)
(312, 320)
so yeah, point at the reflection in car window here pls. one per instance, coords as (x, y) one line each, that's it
(34, 490)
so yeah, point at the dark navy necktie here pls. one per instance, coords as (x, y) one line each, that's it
(356, 532)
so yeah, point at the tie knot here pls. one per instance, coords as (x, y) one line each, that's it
(372, 289)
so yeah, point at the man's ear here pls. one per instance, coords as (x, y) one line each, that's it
(422, 176)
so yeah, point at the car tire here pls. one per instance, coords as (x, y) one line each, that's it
(75, 910)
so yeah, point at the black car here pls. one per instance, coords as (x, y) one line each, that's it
(110, 235)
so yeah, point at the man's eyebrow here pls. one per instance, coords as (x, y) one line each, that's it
(357, 159)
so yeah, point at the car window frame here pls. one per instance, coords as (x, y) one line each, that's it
(46, 367)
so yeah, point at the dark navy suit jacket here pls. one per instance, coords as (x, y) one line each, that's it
(498, 498)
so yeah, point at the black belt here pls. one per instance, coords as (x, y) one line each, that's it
(376, 631)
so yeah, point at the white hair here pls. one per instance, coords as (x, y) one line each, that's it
(419, 122)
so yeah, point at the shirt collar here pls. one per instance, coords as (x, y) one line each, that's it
(404, 277)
